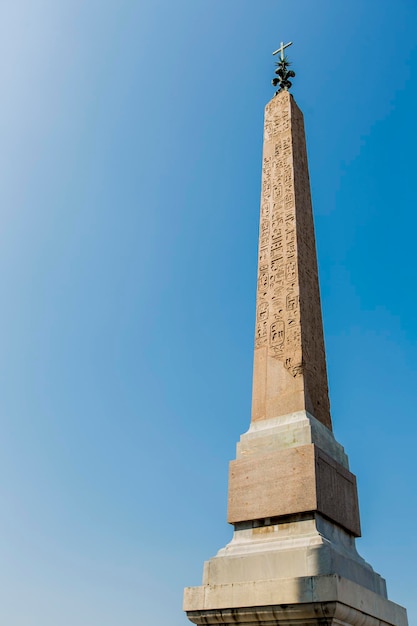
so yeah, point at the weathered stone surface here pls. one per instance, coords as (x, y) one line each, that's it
(337, 496)
(289, 431)
(289, 364)
(298, 601)
(276, 484)
(289, 481)
(307, 545)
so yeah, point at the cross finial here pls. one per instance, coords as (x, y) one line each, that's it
(283, 72)
(282, 48)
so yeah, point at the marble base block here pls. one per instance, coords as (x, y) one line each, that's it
(321, 600)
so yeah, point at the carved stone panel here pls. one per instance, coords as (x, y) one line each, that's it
(288, 322)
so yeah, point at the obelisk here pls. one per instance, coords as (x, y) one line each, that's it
(292, 499)
(289, 364)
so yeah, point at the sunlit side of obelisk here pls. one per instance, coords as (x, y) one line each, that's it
(292, 499)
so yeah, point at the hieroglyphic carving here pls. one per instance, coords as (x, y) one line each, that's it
(288, 298)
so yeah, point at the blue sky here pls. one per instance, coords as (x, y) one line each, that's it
(131, 137)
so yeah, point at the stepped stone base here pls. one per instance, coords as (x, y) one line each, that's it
(321, 600)
(296, 569)
(308, 545)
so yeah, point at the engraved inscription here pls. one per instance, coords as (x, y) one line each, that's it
(277, 333)
(288, 319)
(263, 311)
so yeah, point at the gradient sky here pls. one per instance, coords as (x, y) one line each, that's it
(131, 137)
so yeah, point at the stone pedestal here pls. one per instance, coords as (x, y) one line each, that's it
(321, 600)
(299, 565)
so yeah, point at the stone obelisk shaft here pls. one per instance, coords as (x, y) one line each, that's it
(289, 363)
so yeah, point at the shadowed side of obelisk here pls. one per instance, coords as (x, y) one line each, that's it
(289, 362)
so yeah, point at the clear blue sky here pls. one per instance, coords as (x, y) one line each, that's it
(131, 136)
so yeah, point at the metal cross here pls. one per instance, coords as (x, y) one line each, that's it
(282, 48)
